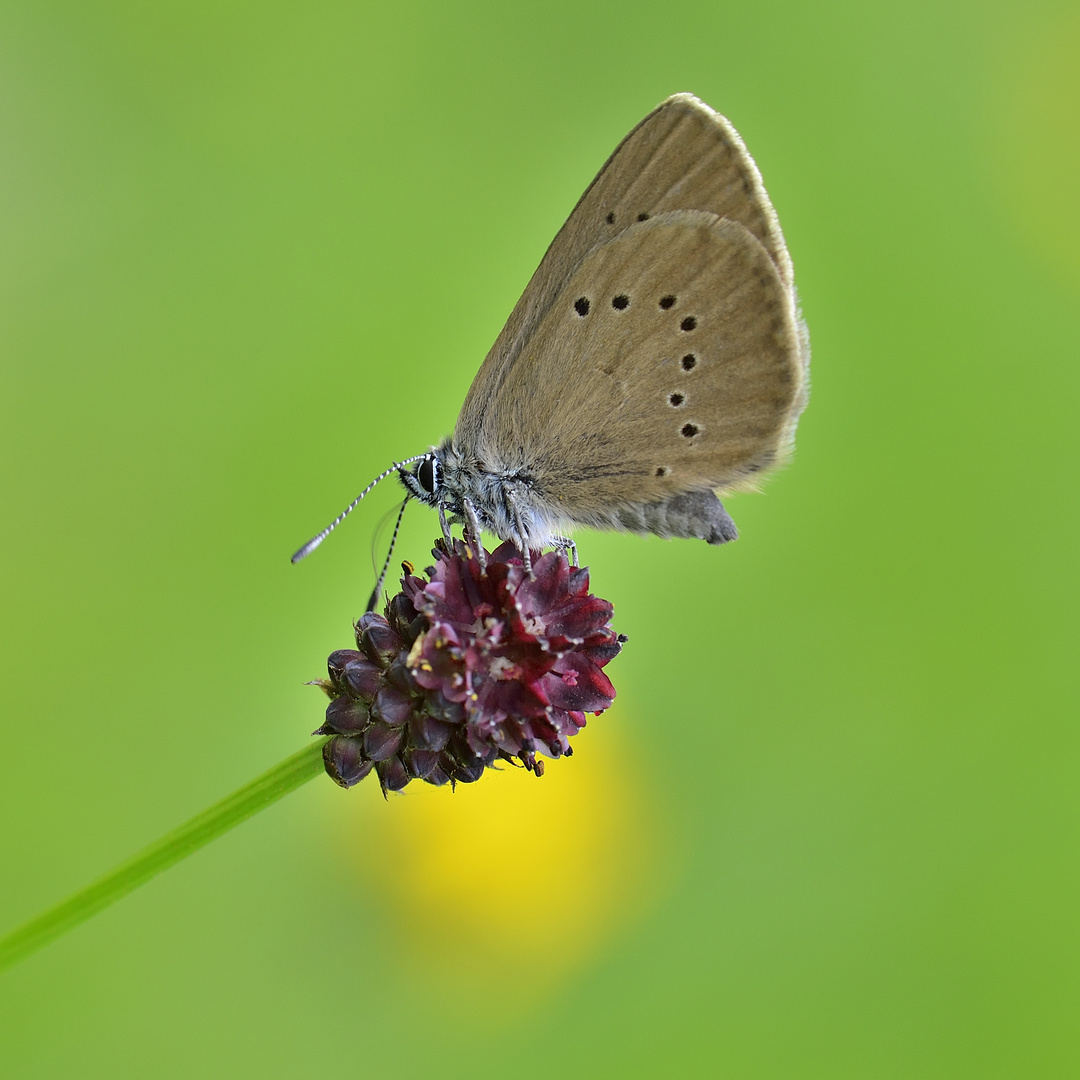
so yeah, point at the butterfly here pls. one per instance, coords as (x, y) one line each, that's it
(656, 357)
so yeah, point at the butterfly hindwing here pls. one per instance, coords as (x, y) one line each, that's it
(669, 363)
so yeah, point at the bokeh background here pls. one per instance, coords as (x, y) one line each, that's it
(253, 252)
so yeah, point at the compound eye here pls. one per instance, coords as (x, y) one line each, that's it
(426, 473)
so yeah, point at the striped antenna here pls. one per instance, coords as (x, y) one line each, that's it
(386, 565)
(315, 541)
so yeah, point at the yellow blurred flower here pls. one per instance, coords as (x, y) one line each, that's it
(520, 879)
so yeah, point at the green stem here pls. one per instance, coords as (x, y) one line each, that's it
(171, 848)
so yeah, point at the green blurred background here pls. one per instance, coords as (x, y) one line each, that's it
(252, 253)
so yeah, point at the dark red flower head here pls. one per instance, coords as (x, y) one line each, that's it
(469, 667)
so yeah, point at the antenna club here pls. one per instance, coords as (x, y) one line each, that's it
(308, 548)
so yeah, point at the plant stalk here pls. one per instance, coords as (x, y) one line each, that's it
(241, 804)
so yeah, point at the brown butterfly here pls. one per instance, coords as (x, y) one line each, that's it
(656, 357)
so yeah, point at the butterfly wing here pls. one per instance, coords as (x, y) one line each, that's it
(682, 156)
(669, 363)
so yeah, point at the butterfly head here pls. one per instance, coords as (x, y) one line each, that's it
(424, 483)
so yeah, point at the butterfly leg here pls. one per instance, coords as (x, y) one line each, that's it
(474, 532)
(523, 547)
(564, 544)
(445, 527)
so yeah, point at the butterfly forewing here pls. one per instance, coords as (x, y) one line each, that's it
(669, 362)
(683, 156)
